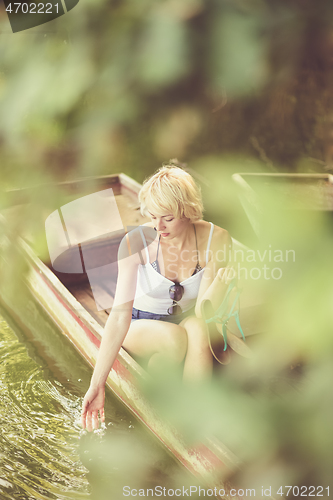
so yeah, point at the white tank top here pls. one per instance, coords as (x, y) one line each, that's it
(152, 288)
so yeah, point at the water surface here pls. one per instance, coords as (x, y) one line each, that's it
(41, 438)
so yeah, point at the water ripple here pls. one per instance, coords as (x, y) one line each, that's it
(39, 434)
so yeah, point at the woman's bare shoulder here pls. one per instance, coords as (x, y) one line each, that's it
(221, 240)
(220, 235)
(202, 228)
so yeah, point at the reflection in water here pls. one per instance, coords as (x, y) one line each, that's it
(39, 429)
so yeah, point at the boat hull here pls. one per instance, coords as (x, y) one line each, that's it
(210, 461)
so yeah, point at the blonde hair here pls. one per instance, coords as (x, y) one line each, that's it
(174, 190)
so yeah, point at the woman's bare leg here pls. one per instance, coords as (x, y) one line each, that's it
(198, 361)
(157, 341)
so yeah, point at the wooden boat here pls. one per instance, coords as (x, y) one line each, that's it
(69, 301)
(292, 191)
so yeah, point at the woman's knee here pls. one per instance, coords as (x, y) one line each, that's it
(175, 344)
(196, 330)
(194, 321)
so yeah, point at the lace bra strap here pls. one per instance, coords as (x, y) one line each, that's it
(196, 245)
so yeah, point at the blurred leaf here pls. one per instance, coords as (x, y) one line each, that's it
(163, 56)
(238, 52)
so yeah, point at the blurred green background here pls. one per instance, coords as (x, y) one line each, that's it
(123, 86)
(224, 86)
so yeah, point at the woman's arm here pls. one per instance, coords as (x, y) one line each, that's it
(115, 331)
(215, 279)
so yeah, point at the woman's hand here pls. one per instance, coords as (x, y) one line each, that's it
(93, 403)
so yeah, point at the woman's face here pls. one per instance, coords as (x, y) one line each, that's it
(167, 225)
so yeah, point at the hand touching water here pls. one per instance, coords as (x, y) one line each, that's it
(93, 403)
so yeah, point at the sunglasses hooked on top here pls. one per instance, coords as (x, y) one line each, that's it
(176, 292)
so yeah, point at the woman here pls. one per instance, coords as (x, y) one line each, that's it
(165, 269)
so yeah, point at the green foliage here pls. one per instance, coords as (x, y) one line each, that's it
(227, 86)
(162, 57)
(238, 62)
(255, 76)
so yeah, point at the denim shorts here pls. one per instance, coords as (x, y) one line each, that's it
(170, 318)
